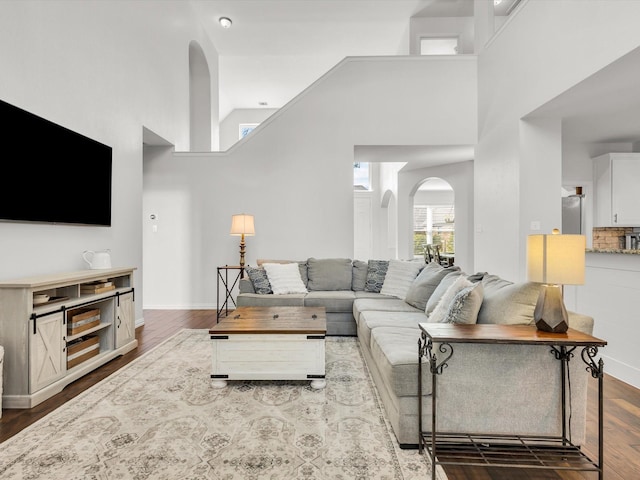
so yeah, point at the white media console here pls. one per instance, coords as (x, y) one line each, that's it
(87, 319)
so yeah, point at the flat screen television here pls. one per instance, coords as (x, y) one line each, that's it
(50, 174)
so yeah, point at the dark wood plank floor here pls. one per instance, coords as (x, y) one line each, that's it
(621, 419)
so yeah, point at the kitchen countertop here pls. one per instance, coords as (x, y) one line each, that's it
(613, 250)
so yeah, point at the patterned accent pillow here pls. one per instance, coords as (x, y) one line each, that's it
(465, 305)
(376, 271)
(259, 279)
(439, 313)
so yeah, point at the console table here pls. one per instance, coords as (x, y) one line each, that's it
(521, 451)
(237, 272)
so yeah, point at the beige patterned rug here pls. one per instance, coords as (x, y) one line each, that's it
(159, 418)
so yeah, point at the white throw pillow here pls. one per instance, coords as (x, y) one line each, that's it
(400, 276)
(439, 313)
(284, 278)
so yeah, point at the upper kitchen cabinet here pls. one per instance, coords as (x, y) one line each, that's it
(616, 179)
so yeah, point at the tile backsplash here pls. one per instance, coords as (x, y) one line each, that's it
(606, 238)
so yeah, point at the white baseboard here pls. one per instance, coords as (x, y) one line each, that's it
(621, 371)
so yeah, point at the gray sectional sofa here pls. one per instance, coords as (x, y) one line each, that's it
(497, 389)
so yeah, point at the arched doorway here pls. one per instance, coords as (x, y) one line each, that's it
(434, 218)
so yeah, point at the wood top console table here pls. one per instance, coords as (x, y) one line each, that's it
(524, 451)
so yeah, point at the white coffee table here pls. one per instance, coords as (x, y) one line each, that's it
(270, 343)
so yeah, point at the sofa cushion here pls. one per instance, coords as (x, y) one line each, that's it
(373, 319)
(382, 303)
(358, 275)
(284, 278)
(395, 351)
(329, 274)
(376, 271)
(258, 300)
(508, 303)
(364, 294)
(426, 283)
(333, 301)
(259, 280)
(399, 277)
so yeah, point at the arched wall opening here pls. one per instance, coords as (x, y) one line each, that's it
(460, 177)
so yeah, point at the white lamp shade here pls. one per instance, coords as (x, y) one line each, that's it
(556, 259)
(242, 224)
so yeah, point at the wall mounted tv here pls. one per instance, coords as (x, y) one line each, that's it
(51, 174)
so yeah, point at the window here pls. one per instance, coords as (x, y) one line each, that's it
(438, 45)
(245, 129)
(361, 176)
(433, 224)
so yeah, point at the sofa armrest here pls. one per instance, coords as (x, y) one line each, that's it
(245, 286)
(580, 322)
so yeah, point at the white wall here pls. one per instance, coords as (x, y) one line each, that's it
(539, 53)
(295, 171)
(230, 124)
(105, 70)
(433, 197)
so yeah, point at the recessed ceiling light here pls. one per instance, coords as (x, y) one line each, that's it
(263, 104)
(225, 22)
(497, 2)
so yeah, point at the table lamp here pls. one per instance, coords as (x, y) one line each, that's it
(554, 260)
(241, 225)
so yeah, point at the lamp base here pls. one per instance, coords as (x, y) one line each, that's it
(550, 313)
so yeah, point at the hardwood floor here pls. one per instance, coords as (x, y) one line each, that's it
(621, 417)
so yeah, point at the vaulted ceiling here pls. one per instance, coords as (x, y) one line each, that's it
(276, 48)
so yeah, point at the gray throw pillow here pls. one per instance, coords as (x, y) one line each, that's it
(259, 279)
(359, 275)
(376, 271)
(426, 283)
(328, 274)
(508, 303)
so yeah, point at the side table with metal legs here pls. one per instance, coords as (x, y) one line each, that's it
(228, 284)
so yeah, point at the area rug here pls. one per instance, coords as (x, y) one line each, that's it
(160, 418)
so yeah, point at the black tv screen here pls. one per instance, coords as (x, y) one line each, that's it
(50, 173)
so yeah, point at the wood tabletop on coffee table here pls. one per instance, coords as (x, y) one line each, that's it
(276, 320)
(511, 334)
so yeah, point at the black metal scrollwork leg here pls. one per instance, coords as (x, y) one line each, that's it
(564, 355)
(589, 354)
(425, 349)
